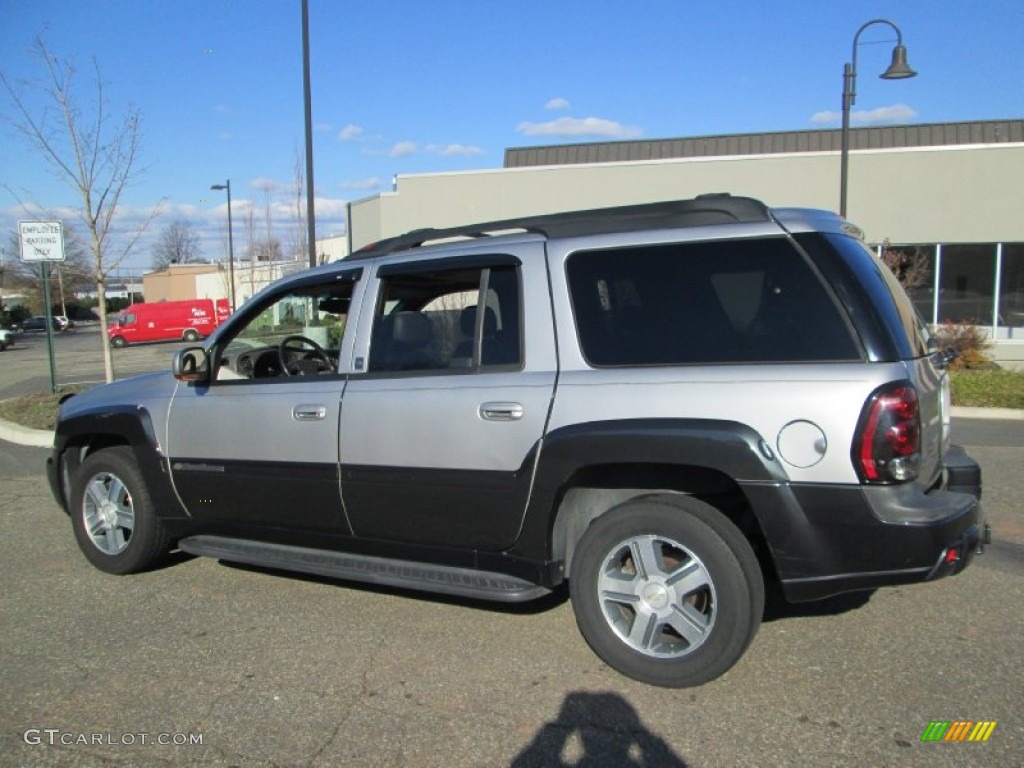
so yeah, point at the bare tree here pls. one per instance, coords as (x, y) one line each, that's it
(299, 246)
(178, 244)
(249, 219)
(271, 249)
(95, 158)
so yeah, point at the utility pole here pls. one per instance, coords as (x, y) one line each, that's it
(310, 207)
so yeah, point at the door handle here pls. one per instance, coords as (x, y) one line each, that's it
(309, 412)
(501, 411)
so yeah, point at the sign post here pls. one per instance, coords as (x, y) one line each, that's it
(42, 242)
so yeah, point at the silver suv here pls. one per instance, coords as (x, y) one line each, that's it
(672, 407)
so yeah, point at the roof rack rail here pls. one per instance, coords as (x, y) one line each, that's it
(718, 208)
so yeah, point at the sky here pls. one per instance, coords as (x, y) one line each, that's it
(402, 87)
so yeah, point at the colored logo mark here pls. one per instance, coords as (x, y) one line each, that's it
(958, 730)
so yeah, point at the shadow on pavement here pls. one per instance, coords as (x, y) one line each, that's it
(594, 730)
(776, 607)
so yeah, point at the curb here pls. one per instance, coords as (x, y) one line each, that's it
(968, 412)
(42, 438)
(35, 438)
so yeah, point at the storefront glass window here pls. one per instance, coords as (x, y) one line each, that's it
(967, 283)
(1011, 291)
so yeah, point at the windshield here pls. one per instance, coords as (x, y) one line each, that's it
(318, 313)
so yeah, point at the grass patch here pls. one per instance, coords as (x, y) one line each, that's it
(994, 388)
(36, 411)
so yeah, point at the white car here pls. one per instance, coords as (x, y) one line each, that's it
(6, 338)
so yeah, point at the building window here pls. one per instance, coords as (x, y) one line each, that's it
(967, 283)
(1011, 291)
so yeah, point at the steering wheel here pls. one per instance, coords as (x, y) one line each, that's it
(297, 360)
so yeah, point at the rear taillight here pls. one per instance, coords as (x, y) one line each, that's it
(887, 446)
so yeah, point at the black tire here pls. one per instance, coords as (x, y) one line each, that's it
(666, 590)
(190, 335)
(115, 522)
(118, 341)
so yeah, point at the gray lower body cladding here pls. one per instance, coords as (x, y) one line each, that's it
(826, 540)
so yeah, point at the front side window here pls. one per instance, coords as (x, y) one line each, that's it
(734, 301)
(447, 320)
(292, 334)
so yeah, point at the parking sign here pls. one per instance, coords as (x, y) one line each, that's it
(41, 240)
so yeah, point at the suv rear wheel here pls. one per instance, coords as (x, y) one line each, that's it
(666, 590)
(113, 516)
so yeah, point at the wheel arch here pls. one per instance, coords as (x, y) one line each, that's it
(587, 470)
(130, 426)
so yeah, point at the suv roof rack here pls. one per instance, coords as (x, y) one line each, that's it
(718, 208)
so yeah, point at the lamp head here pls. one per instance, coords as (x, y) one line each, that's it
(221, 186)
(898, 69)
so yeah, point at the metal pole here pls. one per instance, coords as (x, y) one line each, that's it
(310, 207)
(231, 250)
(849, 84)
(45, 274)
(231, 243)
(897, 69)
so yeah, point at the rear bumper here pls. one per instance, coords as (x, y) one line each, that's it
(826, 540)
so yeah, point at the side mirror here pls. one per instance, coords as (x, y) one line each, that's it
(944, 357)
(191, 364)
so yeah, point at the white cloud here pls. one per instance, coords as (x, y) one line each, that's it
(371, 183)
(574, 126)
(452, 150)
(350, 133)
(897, 113)
(557, 103)
(263, 183)
(404, 149)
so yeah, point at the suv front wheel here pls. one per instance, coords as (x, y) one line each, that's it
(113, 516)
(666, 590)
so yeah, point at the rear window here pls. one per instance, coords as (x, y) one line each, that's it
(739, 301)
(887, 293)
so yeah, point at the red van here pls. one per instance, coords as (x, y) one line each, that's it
(168, 321)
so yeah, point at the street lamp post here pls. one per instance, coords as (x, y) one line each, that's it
(897, 70)
(231, 242)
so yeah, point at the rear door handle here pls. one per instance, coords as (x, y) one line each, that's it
(501, 411)
(309, 412)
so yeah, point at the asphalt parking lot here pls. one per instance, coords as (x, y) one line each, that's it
(206, 663)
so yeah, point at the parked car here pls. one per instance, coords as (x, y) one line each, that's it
(66, 323)
(673, 407)
(6, 338)
(38, 323)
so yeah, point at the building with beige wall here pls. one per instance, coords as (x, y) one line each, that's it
(177, 282)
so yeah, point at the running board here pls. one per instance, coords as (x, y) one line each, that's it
(426, 577)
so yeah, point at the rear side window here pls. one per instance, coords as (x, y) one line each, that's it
(739, 301)
(451, 320)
